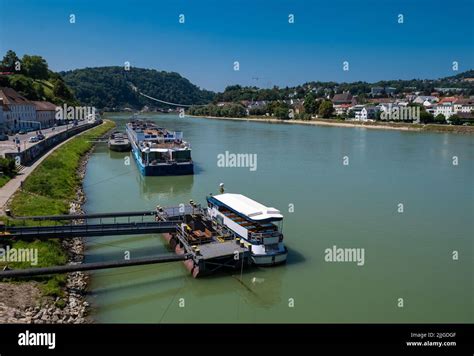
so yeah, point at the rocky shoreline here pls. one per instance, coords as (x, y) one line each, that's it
(72, 308)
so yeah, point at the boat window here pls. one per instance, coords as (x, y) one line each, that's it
(182, 156)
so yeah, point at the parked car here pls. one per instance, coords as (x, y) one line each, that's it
(3, 137)
(33, 139)
(41, 136)
(22, 132)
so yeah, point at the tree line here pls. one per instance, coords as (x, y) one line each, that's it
(32, 78)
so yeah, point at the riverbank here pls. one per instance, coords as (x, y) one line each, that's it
(54, 187)
(340, 123)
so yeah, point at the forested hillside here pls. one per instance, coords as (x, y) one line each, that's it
(109, 88)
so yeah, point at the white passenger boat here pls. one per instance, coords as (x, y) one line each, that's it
(259, 227)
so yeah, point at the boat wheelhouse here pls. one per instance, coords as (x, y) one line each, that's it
(157, 151)
(259, 226)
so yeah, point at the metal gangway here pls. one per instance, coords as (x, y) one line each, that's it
(162, 220)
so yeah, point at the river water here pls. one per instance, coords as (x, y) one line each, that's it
(418, 264)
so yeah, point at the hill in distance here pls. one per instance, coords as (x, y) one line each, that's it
(32, 78)
(109, 88)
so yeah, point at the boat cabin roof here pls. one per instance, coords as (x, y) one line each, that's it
(243, 205)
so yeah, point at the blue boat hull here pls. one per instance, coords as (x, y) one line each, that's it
(177, 169)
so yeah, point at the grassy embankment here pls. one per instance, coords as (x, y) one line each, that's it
(3, 180)
(48, 191)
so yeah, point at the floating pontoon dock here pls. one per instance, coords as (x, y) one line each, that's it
(204, 247)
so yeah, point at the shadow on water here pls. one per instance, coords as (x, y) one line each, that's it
(119, 155)
(167, 292)
(135, 252)
(138, 284)
(256, 286)
(198, 169)
(294, 257)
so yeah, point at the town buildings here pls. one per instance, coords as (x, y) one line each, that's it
(45, 113)
(19, 113)
(2, 118)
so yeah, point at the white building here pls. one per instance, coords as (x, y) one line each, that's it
(367, 113)
(22, 112)
(447, 109)
(427, 104)
(45, 113)
(341, 109)
(2, 118)
(422, 98)
(464, 105)
(387, 107)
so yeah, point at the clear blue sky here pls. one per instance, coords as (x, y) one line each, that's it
(254, 32)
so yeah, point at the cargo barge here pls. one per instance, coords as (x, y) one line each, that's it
(157, 151)
(119, 142)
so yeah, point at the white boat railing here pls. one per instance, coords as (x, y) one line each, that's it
(262, 235)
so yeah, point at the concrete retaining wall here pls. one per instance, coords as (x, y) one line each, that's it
(31, 154)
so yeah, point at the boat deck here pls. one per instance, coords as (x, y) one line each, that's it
(175, 213)
(251, 226)
(220, 249)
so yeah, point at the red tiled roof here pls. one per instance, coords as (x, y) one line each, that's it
(449, 99)
(44, 106)
(381, 100)
(11, 97)
(342, 98)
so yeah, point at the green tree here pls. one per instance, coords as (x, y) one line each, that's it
(281, 112)
(24, 86)
(8, 167)
(426, 117)
(440, 119)
(455, 120)
(326, 109)
(9, 61)
(310, 103)
(60, 90)
(35, 67)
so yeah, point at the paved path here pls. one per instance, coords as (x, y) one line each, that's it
(10, 145)
(7, 191)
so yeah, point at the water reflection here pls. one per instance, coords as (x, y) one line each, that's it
(156, 188)
(119, 155)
